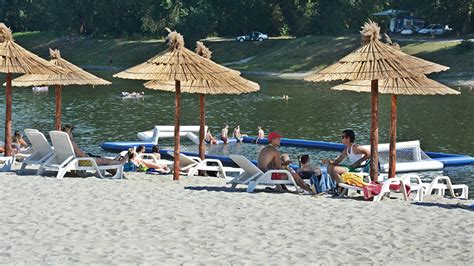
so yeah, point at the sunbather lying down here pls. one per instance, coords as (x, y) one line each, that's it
(133, 158)
(99, 160)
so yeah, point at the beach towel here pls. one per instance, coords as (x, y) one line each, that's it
(353, 179)
(373, 189)
(322, 183)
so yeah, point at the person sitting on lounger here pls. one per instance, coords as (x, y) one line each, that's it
(140, 163)
(225, 134)
(358, 157)
(156, 151)
(270, 158)
(209, 138)
(18, 139)
(99, 160)
(306, 169)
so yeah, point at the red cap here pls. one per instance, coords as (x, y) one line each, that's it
(273, 135)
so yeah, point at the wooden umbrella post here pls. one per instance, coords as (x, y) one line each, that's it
(202, 129)
(8, 116)
(374, 131)
(393, 138)
(57, 117)
(176, 129)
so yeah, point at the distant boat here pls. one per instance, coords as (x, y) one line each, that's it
(40, 89)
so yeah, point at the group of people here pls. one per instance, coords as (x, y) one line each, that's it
(131, 157)
(270, 158)
(237, 134)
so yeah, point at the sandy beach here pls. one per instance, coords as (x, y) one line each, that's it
(146, 219)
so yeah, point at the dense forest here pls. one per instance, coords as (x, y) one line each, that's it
(202, 18)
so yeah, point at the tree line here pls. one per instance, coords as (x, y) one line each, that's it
(202, 18)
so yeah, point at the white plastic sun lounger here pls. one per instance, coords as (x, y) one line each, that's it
(385, 189)
(64, 159)
(440, 188)
(191, 165)
(148, 157)
(41, 149)
(253, 176)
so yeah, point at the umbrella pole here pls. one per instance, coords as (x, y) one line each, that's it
(202, 123)
(393, 138)
(176, 129)
(58, 108)
(8, 116)
(374, 131)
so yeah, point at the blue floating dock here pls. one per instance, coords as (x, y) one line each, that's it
(446, 158)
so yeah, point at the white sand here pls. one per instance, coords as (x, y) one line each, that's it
(152, 219)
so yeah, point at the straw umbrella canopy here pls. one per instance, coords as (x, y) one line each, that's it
(373, 61)
(179, 64)
(74, 76)
(16, 59)
(234, 85)
(401, 86)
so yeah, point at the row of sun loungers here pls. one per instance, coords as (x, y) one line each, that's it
(60, 157)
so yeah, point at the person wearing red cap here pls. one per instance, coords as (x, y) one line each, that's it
(269, 159)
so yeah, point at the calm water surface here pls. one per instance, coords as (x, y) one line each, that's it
(441, 123)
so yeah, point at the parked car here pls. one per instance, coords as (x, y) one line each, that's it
(253, 36)
(434, 29)
(407, 31)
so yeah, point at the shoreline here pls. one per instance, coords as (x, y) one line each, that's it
(463, 79)
(151, 218)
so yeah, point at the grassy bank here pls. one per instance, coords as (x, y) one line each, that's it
(278, 55)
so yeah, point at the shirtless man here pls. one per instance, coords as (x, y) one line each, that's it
(236, 134)
(270, 158)
(209, 138)
(225, 134)
(356, 154)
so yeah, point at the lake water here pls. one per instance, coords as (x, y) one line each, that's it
(441, 123)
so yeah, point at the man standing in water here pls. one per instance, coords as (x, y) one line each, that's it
(225, 134)
(270, 159)
(356, 154)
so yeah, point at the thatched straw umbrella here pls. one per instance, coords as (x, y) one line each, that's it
(401, 86)
(179, 64)
(233, 85)
(373, 61)
(16, 59)
(74, 76)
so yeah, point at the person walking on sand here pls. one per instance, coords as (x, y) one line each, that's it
(225, 134)
(269, 158)
(358, 157)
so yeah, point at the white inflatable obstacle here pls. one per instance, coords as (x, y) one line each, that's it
(158, 132)
(410, 157)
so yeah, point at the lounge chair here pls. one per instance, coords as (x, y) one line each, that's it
(385, 188)
(440, 188)
(41, 149)
(64, 159)
(253, 176)
(191, 165)
(6, 163)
